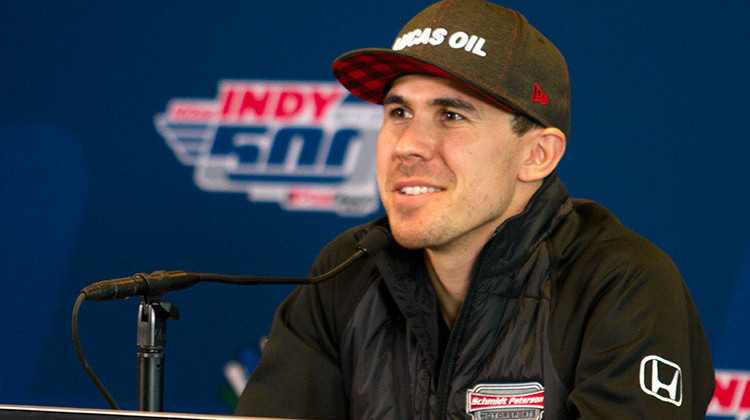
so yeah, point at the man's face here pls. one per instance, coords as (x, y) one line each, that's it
(447, 163)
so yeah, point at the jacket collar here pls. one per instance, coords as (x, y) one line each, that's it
(519, 236)
(512, 244)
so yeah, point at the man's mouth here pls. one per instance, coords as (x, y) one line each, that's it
(418, 189)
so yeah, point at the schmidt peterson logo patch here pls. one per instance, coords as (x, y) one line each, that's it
(300, 144)
(506, 401)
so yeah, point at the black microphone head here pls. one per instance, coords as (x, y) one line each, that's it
(375, 240)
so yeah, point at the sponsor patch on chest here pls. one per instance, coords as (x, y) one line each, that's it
(506, 401)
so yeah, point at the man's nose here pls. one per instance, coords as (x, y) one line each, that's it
(416, 141)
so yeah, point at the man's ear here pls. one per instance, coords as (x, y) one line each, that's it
(546, 148)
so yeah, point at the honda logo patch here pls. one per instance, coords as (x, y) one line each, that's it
(662, 379)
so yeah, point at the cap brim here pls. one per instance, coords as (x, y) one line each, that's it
(368, 72)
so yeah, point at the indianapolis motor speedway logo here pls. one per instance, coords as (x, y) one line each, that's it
(305, 145)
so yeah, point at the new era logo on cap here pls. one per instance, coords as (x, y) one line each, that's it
(539, 96)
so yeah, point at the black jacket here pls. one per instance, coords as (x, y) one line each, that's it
(568, 314)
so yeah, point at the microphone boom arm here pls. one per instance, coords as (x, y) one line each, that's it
(153, 313)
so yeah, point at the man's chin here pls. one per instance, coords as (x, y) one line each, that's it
(412, 239)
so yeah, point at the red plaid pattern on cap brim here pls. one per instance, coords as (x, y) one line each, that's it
(366, 74)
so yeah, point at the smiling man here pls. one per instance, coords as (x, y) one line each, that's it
(451, 170)
(500, 296)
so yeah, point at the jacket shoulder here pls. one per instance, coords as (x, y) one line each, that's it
(339, 296)
(617, 299)
(593, 237)
(342, 247)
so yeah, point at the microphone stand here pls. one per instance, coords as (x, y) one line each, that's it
(153, 315)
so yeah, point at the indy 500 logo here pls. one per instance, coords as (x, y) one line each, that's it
(300, 144)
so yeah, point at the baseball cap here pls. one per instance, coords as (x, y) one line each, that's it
(487, 47)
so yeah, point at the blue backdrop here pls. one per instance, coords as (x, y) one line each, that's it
(90, 190)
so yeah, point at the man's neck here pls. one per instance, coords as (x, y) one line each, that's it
(450, 266)
(450, 275)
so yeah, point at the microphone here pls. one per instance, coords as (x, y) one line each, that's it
(159, 282)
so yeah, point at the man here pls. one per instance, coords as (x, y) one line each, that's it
(500, 297)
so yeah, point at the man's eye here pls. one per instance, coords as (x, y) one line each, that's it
(452, 116)
(398, 113)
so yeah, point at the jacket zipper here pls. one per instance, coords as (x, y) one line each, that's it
(451, 350)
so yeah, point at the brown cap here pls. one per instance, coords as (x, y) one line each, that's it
(489, 48)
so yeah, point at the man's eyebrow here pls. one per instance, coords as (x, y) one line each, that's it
(454, 103)
(394, 99)
(448, 102)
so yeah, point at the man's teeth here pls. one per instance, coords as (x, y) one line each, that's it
(418, 190)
